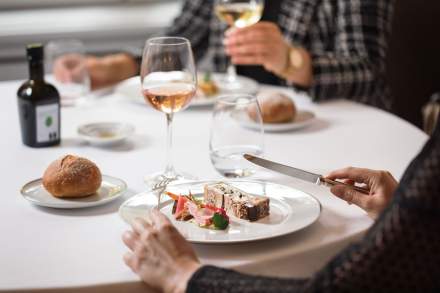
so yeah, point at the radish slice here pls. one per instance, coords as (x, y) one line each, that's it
(181, 204)
(202, 216)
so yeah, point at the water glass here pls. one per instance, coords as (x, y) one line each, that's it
(230, 138)
(66, 64)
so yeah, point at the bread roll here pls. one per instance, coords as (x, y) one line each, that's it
(72, 176)
(275, 108)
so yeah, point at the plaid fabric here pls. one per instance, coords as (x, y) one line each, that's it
(347, 40)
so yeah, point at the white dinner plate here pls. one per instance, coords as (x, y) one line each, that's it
(302, 119)
(290, 210)
(131, 89)
(111, 189)
(105, 133)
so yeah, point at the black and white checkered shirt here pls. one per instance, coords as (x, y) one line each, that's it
(347, 40)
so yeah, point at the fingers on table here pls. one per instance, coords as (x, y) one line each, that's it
(140, 226)
(159, 220)
(131, 261)
(130, 238)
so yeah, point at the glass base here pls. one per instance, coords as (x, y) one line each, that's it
(229, 85)
(160, 179)
(236, 173)
(158, 182)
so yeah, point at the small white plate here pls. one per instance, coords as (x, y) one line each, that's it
(111, 189)
(302, 119)
(131, 89)
(105, 133)
(290, 210)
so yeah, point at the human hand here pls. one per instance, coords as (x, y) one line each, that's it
(259, 44)
(70, 68)
(103, 71)
(159, 254)
(380, 183)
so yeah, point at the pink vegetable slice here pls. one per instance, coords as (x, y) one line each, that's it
(202, 216)
(181, 204)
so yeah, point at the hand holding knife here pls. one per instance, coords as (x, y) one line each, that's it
(300, 174)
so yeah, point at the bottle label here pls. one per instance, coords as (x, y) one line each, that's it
(47, 123)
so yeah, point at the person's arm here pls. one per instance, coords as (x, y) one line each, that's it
(400, 253)
(356, 68)
(193, 23)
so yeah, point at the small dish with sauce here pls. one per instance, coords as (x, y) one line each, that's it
(105, 133)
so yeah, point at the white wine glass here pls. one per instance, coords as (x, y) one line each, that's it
(169, 82)
(240, 14)
(230, 139)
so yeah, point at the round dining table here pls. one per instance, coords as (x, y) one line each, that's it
(56, 250)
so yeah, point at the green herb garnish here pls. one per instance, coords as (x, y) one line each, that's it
(220, 222)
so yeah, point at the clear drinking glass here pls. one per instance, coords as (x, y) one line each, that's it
(66, 62)
(169, 82)
(230, 138)
(237, 13)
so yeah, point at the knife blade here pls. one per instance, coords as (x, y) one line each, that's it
(298, 173)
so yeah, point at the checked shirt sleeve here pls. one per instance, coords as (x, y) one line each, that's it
(194, 24)
(355, 68)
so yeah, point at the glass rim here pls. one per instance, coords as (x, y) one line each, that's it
(156, 41)
(226, 99)
(65, 45)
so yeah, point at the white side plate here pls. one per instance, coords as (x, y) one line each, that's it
(131, 89)
(111, 188)
(105, 133)
(302, 119)
(290, 210)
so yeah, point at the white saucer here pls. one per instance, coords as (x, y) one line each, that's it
(131, 90)
(290, 210)
(111, 189)
(105, 133)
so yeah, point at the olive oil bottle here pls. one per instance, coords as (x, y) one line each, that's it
(38, 104)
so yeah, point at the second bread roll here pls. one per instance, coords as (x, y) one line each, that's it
(275, 108)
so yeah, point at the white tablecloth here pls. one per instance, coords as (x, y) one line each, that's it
(47, 248)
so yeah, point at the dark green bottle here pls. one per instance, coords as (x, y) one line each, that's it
(38, 104)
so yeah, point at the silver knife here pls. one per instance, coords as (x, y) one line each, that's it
(298, 173)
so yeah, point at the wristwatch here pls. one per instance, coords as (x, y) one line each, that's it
(295, 62)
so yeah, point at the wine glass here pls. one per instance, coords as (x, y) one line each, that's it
(169, 82)
(230, 138)
(237, 13)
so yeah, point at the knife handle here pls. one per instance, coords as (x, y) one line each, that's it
(329, 183)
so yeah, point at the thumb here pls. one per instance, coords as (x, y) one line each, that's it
(350, 195)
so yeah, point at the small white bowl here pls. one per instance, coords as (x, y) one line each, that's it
(105, 133)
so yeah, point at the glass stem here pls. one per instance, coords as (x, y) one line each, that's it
(169, 169)
(231, 73)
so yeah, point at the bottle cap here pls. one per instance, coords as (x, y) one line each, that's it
(35, 52)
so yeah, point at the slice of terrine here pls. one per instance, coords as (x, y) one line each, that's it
(237, 202)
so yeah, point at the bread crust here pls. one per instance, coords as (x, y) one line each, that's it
(72, 177)
(275, 108)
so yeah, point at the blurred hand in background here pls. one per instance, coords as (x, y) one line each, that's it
(103, 71)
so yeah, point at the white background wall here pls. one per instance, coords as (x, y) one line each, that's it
(102, 27)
